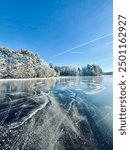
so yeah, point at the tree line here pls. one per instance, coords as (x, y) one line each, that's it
(88, 70)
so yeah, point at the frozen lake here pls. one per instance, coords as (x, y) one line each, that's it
(72, 113)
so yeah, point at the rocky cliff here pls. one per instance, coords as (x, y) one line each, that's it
(23, 64)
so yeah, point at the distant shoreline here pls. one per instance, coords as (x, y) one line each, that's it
(47, 78)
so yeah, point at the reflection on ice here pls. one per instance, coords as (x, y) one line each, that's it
(55, 114)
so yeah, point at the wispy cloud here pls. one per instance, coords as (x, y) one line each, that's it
(80, 45)
(77, 52)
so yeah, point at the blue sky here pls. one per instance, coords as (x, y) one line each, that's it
(62, 32)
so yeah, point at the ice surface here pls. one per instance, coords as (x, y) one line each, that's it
(56, 114)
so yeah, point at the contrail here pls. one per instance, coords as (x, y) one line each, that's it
(78, 46)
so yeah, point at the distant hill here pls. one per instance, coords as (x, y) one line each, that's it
(107, 73)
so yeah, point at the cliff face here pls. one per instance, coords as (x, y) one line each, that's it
(23, 64)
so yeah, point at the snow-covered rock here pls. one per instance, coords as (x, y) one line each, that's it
(23, 64)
